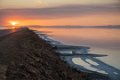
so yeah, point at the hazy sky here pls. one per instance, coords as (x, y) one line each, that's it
(60, 12)
(46, 3)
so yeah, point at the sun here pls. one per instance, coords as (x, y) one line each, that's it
(13, 23)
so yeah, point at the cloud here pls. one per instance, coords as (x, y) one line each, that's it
(59, 12)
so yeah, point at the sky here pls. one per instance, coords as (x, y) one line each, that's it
(60, 12)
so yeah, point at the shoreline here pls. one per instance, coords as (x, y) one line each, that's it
(27, 57)
(101, 66)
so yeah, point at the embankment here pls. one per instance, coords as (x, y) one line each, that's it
(24, 56)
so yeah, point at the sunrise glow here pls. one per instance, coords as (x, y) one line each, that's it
(14, 23)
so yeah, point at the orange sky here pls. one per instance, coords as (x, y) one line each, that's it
(86, 20)
(73, 12)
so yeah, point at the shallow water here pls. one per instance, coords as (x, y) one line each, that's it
(101, 41)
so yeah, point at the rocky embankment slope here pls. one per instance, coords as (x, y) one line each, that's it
(24, 56)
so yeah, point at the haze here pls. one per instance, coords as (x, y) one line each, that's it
(60, 12)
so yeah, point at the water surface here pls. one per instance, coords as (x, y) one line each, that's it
(101, 41)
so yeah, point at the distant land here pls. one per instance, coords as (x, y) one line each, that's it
(70, 26)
